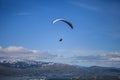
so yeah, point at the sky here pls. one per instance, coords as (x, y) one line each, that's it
(26, 30)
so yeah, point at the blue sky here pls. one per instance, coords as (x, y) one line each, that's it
(28, 23)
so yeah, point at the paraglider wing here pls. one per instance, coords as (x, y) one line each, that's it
(66, 21)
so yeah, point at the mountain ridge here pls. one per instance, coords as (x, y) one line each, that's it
(12, 67)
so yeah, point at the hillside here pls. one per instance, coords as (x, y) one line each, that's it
(54, 70)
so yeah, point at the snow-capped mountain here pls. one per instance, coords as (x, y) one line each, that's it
(24, 67)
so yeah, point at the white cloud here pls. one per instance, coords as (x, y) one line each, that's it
(18, 51)
(111, 7)
(84, 5)
(22, 13)
(111, 59)
(14, 49)
(115, 59)
(111, 56)
(99, 58)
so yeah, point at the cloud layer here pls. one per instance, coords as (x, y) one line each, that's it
(84, 5)
(111, 59)
(106, 57)
(15, 51)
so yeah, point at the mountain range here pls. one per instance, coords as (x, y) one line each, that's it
(10, 67)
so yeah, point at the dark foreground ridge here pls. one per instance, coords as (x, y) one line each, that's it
(37, 70)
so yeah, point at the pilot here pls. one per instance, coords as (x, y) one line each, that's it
(60, 39)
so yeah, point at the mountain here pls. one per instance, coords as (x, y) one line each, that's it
(38, 68)
(28, 68)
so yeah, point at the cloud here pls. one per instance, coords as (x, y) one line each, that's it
(23, 14)
(18, 51)
(107, 7)
(107, 57)
(111, 59)
(112, 56)
(99, 58)
(84, 5)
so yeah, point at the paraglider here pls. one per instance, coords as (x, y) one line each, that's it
(65, 21)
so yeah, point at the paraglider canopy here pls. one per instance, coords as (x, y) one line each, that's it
(63, 20)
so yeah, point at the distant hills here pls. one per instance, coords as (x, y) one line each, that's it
(28, 68)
